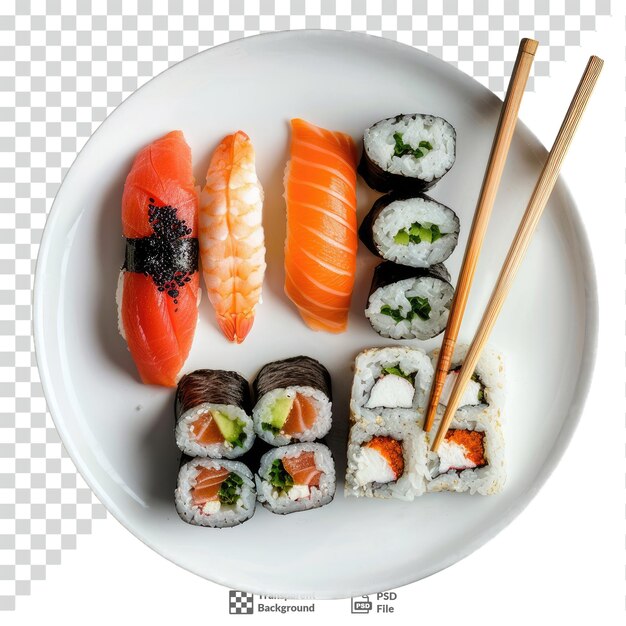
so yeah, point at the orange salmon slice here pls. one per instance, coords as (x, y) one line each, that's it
(302, 469)
(208, 483)
(321, 242)
(205, 429)
(301, 416)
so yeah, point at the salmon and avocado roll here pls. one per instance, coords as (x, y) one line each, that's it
(297, 477)
(215, 493)
(213, 414)
(382, 460)
(293, 401)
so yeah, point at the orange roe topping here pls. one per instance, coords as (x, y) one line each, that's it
(391, 449)
(472, 441)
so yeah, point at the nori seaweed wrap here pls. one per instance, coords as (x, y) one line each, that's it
(408, 153)
(412, 230)
(409, 303)
(293, 401)
(212, 410)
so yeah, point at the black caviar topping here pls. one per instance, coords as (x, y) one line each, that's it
(169, 256)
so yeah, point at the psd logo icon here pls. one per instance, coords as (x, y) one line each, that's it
(361, 605)
(240, 603)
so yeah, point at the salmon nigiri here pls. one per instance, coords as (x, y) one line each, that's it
(321, 244)
(232, 243)
(158, 286)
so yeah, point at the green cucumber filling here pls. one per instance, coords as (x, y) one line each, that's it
(400, 148)
(231, 489)
(417, 233)
(275, 430)
(420, 307)
(396, 371)
(241, 439)
(278, 414)
(279, 477)
(232, 430)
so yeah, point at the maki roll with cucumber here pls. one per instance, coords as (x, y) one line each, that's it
(213, 414)
(409, 303)
(297, 477)
(214, 493)
(293, 401)
(410, 230)
(407, 152)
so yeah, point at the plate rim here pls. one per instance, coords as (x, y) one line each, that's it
(585, 376)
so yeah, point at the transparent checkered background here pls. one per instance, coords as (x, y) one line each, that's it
(64, 66)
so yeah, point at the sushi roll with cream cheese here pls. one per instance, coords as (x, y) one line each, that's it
(390, 383)
(382, 459)
(293, 401)
(407, 152)
(409, 303)
(471, 456)
(486, 386)
(410, 230)
(215, 493)
(297, 477)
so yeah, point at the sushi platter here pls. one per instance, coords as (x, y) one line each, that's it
(249, 351)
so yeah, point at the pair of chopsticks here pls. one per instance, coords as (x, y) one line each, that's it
(536, 205)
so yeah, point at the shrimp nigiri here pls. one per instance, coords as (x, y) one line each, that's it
(232, 243)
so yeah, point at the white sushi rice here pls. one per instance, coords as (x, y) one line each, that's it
(439, 294)
(214, 514)
(298, 497)
(262, 414)
(490, 371)
(379, 144)
(402, 214)
(486, 480)
(368, 369)
(367, 477)
(186, 440)
(119, 293)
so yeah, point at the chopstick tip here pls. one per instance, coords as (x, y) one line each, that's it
(596, 61)
(529, 46)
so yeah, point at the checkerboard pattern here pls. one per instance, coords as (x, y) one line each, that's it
(64, 66)
(240, 603)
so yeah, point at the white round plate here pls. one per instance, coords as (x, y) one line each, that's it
(120, 432)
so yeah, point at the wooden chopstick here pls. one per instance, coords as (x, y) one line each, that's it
(491, 182)
(536, 205)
